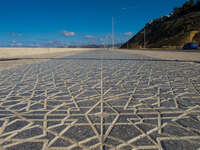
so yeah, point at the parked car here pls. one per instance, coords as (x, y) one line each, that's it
(190, 46)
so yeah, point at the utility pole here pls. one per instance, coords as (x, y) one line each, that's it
(113, 41)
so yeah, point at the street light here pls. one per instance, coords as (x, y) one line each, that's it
(113, 33)
(145, 37)
(128, 35)
(127, 43)
(113, 40)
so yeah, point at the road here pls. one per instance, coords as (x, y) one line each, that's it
(101, 100)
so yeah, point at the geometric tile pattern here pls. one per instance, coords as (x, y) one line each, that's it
(100, 101)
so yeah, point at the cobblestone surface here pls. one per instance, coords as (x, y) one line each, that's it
(101, 101)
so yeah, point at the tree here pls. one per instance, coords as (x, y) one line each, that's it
(198, 2)
(177, 11)
(189, 4)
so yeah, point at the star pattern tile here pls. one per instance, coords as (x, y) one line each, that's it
(101, 100)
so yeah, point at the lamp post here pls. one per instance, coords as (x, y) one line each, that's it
(145, 37)
(127, 43)
(113, 37)
(128, 35)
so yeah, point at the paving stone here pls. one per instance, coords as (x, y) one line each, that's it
(100, 100)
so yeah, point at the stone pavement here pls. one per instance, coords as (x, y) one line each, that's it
(101, 100)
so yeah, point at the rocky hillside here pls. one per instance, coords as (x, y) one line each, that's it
(171, 31)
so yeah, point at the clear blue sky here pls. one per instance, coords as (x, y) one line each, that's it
(51, 22)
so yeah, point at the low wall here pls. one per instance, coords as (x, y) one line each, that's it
(22, 52)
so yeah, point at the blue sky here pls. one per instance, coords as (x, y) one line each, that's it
(57, 22)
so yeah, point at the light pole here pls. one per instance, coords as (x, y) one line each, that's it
(127, 43)
(113, 40)
(104, 44)
(128, 35)
(145, 37)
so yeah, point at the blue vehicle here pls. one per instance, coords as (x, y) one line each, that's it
(190, 46)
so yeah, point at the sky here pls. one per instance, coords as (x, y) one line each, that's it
(44, 23)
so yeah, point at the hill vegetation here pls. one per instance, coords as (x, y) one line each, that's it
(171, 31)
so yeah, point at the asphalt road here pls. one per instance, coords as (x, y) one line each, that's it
(101, 100)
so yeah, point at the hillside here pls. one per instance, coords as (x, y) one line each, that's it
(172, 31)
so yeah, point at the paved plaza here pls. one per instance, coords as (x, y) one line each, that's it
(101, 100)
